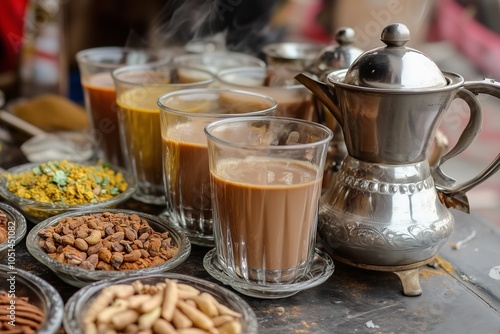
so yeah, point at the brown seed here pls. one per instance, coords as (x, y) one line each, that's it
(116, 260)
(104, 255)
(117, 236)
(94, 249)
(50, 247)
(93, 258)
(132, 256)
(81, 244)
(130, 234)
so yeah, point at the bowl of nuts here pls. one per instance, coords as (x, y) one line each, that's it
(12, 230)
(28, 304)
(42, 190)
(93, 245)
(162, 303)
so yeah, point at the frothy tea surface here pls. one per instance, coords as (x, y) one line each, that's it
(267, 210)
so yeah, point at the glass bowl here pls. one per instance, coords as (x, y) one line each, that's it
(13, 237)
(39, 292)
(79, 277)
(37, 211)
(77, 305)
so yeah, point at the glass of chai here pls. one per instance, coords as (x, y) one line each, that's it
(138, 88)
(184, 115)
(266, 175)
(95, 67)
(294, 100)
(217, 61)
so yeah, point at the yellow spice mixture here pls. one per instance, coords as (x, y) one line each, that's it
(68, 183)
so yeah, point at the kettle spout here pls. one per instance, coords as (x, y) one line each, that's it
(322, 93)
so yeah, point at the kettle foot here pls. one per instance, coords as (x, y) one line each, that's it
(408, 273)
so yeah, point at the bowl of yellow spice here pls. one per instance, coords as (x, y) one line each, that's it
(43, 190)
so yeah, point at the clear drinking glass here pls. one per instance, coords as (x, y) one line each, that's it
(266, 175)
(137, 91)
(95, 67)
(217, 61)
(184, 115)
(294, 100)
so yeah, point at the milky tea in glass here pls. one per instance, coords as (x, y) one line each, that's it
(184, 115)
(138, 89)
(266, 177)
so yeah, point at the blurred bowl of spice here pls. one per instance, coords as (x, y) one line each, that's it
(28, 304)
(42, 190)
(93, 245)
(12, 231)
(164, 303)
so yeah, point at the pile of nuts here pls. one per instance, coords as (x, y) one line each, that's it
(25, 318)
(166, 307)
(107, 241)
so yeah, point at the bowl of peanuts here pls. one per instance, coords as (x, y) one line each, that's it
(161, 303)
(28, 304)
(88, 246)
(43, 190)
(12, 231)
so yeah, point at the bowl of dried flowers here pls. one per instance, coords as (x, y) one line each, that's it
(42, 190)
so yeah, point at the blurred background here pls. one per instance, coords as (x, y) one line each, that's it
(39, 40)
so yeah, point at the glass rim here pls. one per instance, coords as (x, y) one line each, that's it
(165, 108)
(82, 56)
(154, 68)
(245, 69)
(192, 56)
(209, 128)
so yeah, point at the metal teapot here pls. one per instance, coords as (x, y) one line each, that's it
(387, 209)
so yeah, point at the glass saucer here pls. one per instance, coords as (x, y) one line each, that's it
(321, 269)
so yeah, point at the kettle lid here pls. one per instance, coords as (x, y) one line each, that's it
(339, 56)
(394, 66)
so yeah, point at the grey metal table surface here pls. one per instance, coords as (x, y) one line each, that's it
(460, 295)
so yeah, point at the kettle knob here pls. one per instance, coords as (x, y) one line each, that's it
(345, 36)
(396, 34)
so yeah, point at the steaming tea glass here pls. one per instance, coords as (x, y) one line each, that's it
(95, 67)
(137, 91)
(266, 177)
(294, 100)
(217, 61)
(184, 115)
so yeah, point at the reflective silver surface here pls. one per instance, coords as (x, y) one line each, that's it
(291, 55)
(387, 206)
(382, 214)
(337, 57)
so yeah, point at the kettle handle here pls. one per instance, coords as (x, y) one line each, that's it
(444, 183)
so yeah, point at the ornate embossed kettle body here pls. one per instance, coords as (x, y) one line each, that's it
(387, 209)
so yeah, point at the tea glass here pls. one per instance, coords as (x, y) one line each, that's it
(95, 67)
(138, 88)
(216, 61)
(184, 115)
(294, 100)
(266, 175)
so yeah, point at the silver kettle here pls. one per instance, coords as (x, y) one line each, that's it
(386, 207)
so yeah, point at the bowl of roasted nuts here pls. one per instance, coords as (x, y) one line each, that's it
(28, 304)
(42, 190)
(93, 245)
(161, 303)
(12, 230)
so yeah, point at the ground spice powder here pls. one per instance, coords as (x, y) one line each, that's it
(67, 183)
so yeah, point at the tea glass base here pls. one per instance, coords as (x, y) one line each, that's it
(194, 237)
(321, 269)
(149, 199)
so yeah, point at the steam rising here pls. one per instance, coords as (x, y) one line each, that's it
(238, 25)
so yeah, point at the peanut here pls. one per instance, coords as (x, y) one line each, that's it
(159, 309)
